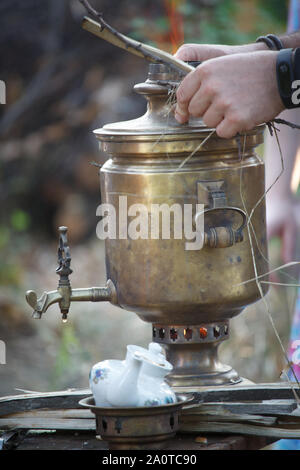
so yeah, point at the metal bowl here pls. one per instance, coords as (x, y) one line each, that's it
(147, 427)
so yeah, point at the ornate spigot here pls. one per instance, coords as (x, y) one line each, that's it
(64, 294)
(64, 270)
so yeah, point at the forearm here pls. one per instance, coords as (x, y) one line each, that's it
(291, 40)
(204, 52)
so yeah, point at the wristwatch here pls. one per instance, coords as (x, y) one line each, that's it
(287, 71)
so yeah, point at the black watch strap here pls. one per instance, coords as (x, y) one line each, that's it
(285, 76)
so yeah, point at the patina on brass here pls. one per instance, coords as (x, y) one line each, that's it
(188, 295)
(137, 428)
(175, 289)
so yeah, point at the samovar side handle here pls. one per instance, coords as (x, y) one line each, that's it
(64, 294)
(223, 237)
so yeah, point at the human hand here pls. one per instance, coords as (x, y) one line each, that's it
(202, 52)
(232, 93)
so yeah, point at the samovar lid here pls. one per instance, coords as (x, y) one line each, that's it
(157, 131)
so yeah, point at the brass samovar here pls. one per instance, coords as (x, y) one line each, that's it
(189, 295)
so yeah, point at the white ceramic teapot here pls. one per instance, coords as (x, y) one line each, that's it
(136, 381)
(123, 389)
(153, 390)
(100, 375)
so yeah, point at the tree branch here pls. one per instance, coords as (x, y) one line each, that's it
(103, 30)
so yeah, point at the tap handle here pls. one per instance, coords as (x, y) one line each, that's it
(64, 258)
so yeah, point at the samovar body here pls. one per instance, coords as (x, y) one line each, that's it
(156, 170)
(188, 295)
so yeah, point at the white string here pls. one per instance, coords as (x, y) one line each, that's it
(256, 278)
(195, 150)
(283, 266)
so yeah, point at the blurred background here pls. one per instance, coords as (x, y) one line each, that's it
(61, 83)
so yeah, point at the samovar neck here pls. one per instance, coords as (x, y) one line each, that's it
(162, 72)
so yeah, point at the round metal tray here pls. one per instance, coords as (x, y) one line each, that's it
(137, 427)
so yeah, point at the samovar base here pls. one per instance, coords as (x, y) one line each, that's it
(193, 352)
(200, 388)
(226, 375)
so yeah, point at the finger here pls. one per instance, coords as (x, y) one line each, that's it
(181, 115)
(185, 91)
(188, 52)
(213, 116)
(227, 128)
(199, 103)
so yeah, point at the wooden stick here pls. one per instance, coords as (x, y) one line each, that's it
(56, 413)
(249, 393)
(239, 428)
(51, 423)
(268, 407)
(152, 54)
(32, 401)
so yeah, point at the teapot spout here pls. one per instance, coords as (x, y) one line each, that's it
(123, 390)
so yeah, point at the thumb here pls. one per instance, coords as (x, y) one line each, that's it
(190, 52)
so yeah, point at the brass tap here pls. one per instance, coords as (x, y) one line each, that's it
(63, 270)
(64, 294)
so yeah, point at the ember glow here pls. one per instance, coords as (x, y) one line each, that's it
(175, 17)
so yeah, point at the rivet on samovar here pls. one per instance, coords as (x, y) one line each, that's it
(189, 296)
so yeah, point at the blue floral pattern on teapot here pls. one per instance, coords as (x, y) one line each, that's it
(136, 381)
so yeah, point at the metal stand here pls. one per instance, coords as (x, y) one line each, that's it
(193, 352)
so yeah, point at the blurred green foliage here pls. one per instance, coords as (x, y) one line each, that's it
(277, 10)
(67, 354)
(15, 229)
(20, 220)
(214, 21)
